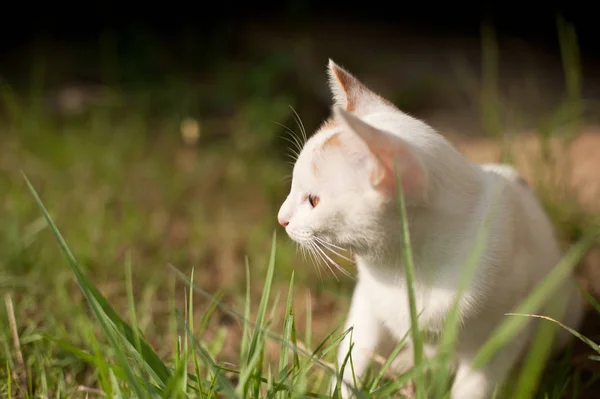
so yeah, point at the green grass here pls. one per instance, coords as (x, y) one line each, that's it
(168, 281)
(128, 365)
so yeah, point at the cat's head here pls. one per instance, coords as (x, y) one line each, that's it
(344, 185)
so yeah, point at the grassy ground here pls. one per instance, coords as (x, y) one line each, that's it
(141, 186)
(126, 184)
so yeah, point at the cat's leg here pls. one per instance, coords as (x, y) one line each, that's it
(472, 383)
(404, 361)
(364, 337)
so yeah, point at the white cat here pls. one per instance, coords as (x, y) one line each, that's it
(343, 195)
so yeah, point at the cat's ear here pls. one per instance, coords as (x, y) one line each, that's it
(394, 158)
(348, 92)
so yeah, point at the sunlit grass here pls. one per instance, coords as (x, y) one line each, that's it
(134, 368)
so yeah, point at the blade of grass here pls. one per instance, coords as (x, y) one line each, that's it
(21, 372)
(580, 336)
(340, 380)
(232, 312)
(315, 358)
(321, 351)
(100, 362)
(177, 381)
(223, 382)
(287, 332)
(300, 381)
(172, 304)
(409, 271)
(388, 362)
(308, 329)
(274, 307)
(110, 329)
(115, 386)
(81, 354)
(250, 372)
(537, 355)
(96, 361)
(270, 385)
(294, 343)
(191, 324)
(256, 350)
(102, 309)
(8, 380)
(246, 319)
(262, 307)
(113, 337)
(348, 363)
(131, 303)
(386, 391)
(42, 388)
(589, 298)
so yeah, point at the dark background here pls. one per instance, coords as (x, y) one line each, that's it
(27, 22)
(406, 51)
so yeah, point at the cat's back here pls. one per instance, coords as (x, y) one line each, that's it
(524, 207)
(504, 171)
(535, 246)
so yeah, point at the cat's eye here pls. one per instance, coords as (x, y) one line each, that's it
(313, 200)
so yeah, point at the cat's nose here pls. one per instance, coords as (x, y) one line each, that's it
(283, 216)
(283, 222)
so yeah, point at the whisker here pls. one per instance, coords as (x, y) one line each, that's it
(311, 252)
(287, 177)
(329, 246)
(302, 251)
(300, 124)
(289, 130)
(301, 248)
(341, 269)
(292, 153)
(293, 157)
(314, 262)
(294, 143)
(295, 140)
(319, 253)
(338, 254)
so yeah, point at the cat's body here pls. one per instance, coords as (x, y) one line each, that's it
(344, 195)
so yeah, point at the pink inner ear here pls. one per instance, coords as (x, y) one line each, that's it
(395, 158)
(395, 162)
(346, 88)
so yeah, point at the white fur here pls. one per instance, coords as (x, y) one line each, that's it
(354, 214)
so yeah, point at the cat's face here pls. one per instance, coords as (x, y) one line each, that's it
(329, 197)
(343, 180)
